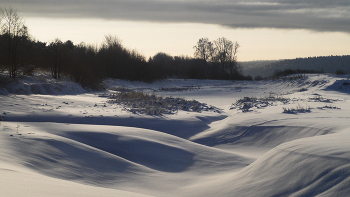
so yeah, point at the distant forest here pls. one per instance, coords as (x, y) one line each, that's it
(88, 65)
(322, 64)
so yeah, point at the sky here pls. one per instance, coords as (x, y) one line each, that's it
(265, 29)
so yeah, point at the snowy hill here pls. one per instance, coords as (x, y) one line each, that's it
(268, 138)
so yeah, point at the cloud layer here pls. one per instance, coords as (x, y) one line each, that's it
(316, 15)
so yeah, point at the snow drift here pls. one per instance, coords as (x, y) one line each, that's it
(74, 142)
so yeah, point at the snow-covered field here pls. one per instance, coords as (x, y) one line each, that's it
(265, 138)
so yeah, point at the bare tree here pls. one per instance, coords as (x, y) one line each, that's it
(112, 55)
(225, 53)
(204, 49)
(15, 33)
(223, 50)
(112, 43)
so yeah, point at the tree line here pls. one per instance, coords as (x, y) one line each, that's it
(88, 65)
(320, 64)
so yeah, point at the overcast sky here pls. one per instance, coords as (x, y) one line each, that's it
(331, 18)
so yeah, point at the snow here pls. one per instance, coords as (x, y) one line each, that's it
(58, 139)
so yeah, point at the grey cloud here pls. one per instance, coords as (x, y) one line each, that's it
(316, 15)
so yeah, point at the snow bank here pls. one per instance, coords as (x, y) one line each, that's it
(40, 83)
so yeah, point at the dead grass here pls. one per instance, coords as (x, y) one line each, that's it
(245, 104)
(297, 109)
(151, 104)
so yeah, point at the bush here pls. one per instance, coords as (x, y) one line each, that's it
(28, 70)
(287, 72)
(340, 72)
(258, 78)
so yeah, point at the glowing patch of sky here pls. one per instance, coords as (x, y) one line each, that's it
(179, 38)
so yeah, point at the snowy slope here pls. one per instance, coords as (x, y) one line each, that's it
(39, 83)
(74, 142)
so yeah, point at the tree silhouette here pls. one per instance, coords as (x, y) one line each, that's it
(222, 56)
(15, 35)
(55, 51)
(225, 53)
(204, 49)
